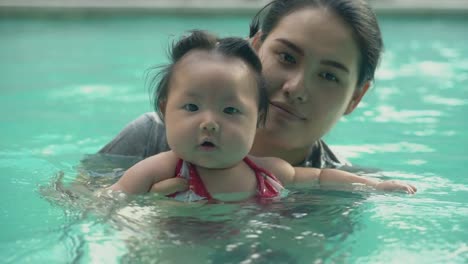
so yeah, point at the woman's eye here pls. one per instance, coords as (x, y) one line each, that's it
(287, 58)
(191, 107)
(231, 110)
(328, 76)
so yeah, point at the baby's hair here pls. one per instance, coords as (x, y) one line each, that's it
(229, 47)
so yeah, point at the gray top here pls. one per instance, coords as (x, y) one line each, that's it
(146, 136)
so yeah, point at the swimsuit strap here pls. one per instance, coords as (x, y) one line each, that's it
(265, 181)
(196, 183)
(178, 169)
(188, 171)
(178, 174)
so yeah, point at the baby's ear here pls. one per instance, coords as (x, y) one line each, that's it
(261, 119)
(162, 108)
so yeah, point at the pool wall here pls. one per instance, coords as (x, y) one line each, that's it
(422, 7)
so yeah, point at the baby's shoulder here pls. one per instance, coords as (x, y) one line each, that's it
(279, 167)
(267, 161)
(164, 161)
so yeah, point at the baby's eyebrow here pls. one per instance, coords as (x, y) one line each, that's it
(225, 99)
(193, 94)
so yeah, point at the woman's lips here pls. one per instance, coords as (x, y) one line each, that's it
(288, 110)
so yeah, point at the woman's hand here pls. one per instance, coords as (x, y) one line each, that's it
(170, 186)
(391, 186)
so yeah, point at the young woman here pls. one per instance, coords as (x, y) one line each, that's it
(319, 59)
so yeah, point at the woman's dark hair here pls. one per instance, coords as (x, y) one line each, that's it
(228, 47)
(357, 14)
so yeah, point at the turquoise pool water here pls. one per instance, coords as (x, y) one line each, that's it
(69, 85)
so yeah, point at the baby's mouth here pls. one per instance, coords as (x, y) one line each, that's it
(208, 144)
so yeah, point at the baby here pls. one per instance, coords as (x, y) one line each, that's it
(211, 98)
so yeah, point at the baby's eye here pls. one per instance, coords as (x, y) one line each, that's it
(191, 107)
(231, 110)
(328, 76)
(287, 58)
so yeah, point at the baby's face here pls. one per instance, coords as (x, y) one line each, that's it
(211, 110)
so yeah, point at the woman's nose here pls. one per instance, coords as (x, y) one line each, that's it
(294, 89)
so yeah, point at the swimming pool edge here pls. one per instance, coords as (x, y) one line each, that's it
(415, 7)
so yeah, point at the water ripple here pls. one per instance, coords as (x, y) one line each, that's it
(390, 114)
(353, 151)
(444, 101)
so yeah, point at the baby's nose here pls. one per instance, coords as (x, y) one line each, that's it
(209, 126)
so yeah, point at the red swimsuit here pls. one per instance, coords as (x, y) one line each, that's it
(268, 185)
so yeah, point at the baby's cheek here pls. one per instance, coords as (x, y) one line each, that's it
(244, 141)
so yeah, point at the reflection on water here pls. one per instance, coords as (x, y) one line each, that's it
(308, 224)
(353, 151)
(439, 100)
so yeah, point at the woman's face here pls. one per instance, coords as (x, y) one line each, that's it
(310, 63)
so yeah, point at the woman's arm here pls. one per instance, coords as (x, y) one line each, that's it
(289, 175)
(170, 186)
(333, 176)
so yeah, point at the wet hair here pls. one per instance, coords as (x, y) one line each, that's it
(356, 13)
(203, 41)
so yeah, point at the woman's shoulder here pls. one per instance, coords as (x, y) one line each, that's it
(322, 156)
(142, 137)
(149, 119)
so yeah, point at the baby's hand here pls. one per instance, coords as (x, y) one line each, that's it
(170, 186)
(395, 186)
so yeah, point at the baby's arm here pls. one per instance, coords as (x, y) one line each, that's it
(141, 177)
